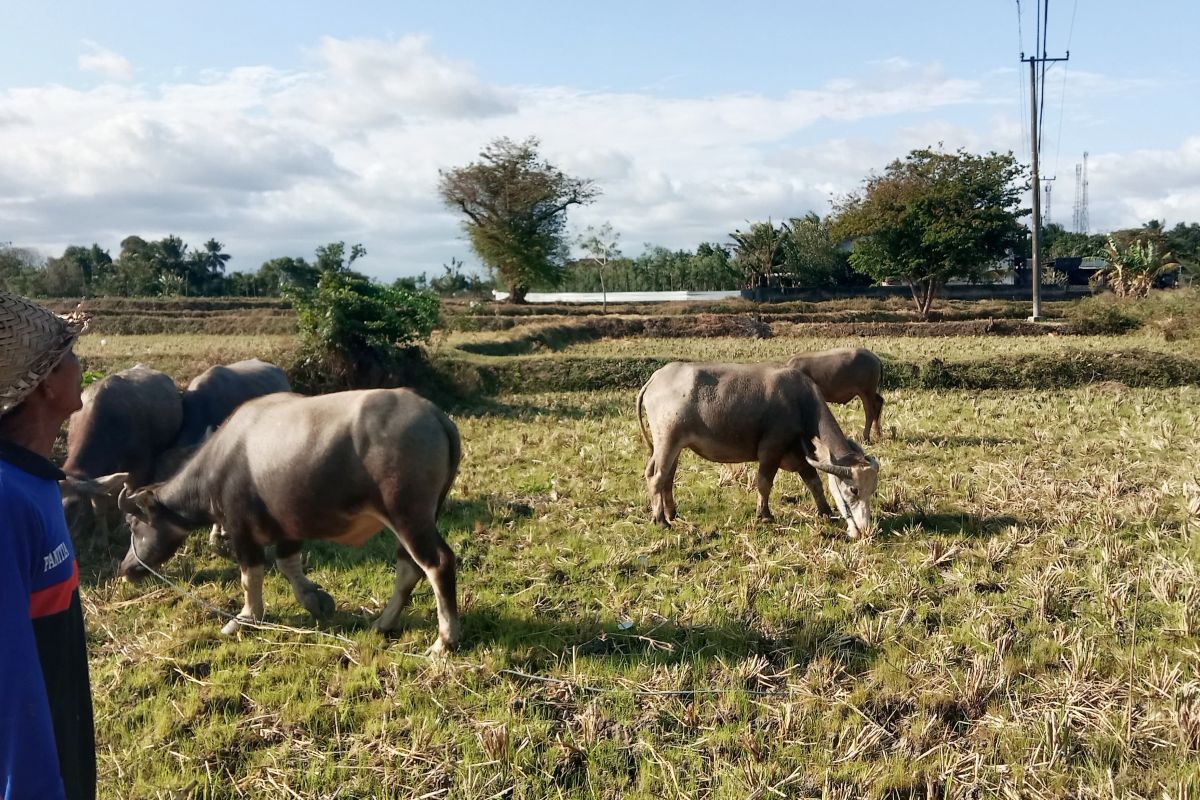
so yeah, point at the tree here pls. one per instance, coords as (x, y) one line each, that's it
(933, 216)
(81, 269)
(1058, 242)
(451, 283)
(758, 251)
(1184, 241)
(812, 255)
(171, 263)
(278, 273)
(206, 267)
(601, 246)
(1133, 269)
(332, 257)
(515, 204)
(19, 269)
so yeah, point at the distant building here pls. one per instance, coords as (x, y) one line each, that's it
(1079, 271)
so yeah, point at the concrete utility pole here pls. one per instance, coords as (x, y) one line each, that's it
(1035, 267)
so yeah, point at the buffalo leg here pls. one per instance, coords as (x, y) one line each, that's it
(878, 415)
(407, 576)
(250, 558)
(252, 583)
(217, 540)
(435, 558)
(314, 599)
(660, 478)
(868, 404)
(813, 481)
(766, 479)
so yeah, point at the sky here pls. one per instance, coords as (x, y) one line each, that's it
(276, 127)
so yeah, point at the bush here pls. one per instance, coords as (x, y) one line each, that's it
(1098, 316)
(361, 333)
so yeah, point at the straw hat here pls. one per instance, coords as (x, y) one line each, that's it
(33, 340)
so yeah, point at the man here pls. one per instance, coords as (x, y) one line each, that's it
(47, 747)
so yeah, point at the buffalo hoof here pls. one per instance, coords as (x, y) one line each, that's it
(219, 542)
(440, 649)
(765, 517)
(660, 521)
(234, 625)
(319, 603)
(384, 624)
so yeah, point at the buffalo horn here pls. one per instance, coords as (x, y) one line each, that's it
(127, 502)
(844, 473)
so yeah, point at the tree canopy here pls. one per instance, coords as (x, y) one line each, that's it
(933, 216)
(515, 204)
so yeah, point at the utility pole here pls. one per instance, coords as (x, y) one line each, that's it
(1046, 216)
(1034, 145)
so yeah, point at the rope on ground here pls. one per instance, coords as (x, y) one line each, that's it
(515, 673)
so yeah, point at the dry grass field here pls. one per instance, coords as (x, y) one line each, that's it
(1025, 622)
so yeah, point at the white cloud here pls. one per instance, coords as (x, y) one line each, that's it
(274, 162)
(104, 61)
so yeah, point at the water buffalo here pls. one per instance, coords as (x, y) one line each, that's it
(284, 469)
(128, 419)
(208, 401)
(846, 373)
(214, 394)
(734, 413)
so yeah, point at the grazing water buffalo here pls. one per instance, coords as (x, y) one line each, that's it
(734, 413)
(846, 373)
(284, 469)
(209, 400)
(213, 395)
(128, 419)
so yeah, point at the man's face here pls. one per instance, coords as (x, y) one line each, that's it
(63, 388)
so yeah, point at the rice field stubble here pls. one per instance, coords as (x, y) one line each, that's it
(1026, 623)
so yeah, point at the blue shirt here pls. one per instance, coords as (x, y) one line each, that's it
(47, 745)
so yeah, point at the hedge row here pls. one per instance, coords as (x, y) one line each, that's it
(253, 324)
(1136, 368)
(537, 338)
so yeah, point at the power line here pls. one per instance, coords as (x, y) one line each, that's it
(1035, 145)
(1021, 80)
(1042, 88)
(1062, 102)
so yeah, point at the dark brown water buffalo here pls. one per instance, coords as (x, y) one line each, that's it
(284, 469)
(128, 419)
(846, 373)
(213, 395)
(734, 413)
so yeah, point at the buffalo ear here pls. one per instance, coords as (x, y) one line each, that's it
(97, 487)
(136, 504)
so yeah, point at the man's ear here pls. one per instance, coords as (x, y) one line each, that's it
(97, 487)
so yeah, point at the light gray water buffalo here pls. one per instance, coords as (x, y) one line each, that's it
(128, 419)
(734, 413)
(284, 469)
(214, 394)
(846, 373)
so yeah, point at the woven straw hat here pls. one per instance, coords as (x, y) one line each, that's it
(33, 340)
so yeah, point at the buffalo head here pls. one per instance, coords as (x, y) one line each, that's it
(852, 485)
(156, 532)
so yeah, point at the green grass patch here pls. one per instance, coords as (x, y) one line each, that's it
(1024, 624)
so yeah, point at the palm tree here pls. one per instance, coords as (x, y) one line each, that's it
(758, 251)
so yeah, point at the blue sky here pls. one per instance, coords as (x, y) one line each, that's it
(278, 126)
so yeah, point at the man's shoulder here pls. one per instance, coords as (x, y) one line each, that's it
(19, 491)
